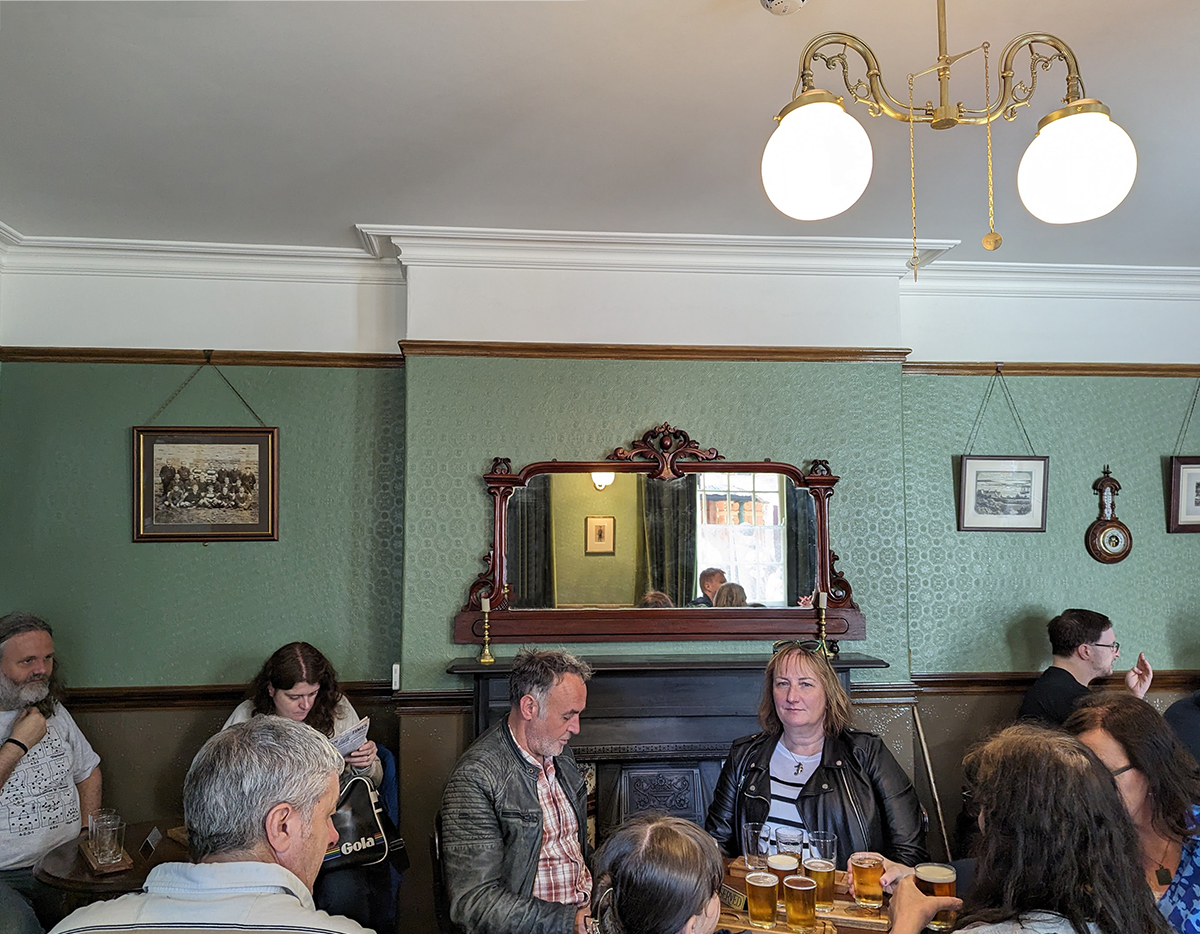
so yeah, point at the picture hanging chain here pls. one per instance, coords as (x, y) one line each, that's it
(912, 177)
(207, 362)
(1187, 420)
(998, 376)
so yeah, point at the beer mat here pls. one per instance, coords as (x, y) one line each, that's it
(179, 835)
(104, 869)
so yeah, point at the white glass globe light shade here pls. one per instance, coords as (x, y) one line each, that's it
(602, 478)
(817, 162)
(1080, 166)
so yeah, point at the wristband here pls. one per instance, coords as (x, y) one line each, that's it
(16, 742)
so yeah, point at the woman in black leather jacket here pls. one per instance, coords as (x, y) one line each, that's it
(809, 769)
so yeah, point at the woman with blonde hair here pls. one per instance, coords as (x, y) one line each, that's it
(809, 770)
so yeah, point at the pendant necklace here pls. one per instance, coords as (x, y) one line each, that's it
(1162, 874)
(795, 758)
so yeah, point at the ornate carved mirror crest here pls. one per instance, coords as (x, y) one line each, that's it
(616, 550)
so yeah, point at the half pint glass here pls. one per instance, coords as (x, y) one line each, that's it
(761, 894)
(868, 871)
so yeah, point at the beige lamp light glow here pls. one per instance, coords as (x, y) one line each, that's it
(1080, 165)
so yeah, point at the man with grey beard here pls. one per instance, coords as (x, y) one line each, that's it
(49, 774)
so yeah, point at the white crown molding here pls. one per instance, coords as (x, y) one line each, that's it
(1037, 280)
(477, 247)
(165, 259)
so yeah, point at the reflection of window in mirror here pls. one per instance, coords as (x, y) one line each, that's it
(741, 523)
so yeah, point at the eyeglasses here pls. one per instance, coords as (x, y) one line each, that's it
(1121, 770)
(809, 645)
(1115, 646)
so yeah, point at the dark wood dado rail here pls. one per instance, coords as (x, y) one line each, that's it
(414, 703)
(197, 696)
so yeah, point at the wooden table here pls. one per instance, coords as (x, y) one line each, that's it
(845, 915)
(65, 869)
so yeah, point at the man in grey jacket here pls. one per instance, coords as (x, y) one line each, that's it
(514, 818)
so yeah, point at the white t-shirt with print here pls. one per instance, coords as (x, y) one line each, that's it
(39, 804)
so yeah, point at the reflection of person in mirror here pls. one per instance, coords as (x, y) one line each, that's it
(730, 595)
(654, 598)
(711, 580)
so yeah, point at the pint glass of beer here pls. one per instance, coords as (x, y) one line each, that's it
(783, 864)
(762, 891)
(938, 879)
(821, 872)
(868, 870)
(800, 903)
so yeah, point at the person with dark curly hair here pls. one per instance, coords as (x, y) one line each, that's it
(299, 683)
(1159, 783)
(1058, 853)
(657, 875)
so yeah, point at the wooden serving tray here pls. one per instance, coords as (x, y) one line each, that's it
(104, 869)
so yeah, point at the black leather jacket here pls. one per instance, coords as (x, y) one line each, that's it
(492, 836)
(859, 792)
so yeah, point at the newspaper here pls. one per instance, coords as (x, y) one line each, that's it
(354, 737)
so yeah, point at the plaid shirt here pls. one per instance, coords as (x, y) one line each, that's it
(562, 875)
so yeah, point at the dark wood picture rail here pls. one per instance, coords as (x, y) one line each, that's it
(518, 349)
(954, 368)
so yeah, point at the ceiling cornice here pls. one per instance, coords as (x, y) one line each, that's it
(1037, 280)
(159, 259)
(476, 247)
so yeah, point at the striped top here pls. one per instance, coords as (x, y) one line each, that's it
(786, 785)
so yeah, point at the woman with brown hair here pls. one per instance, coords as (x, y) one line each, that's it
(1159, 783)
(809, 770)
(1057, 852)
(298, 682)
(657, 875)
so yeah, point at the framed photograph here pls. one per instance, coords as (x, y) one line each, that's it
(1003, 494)
(1185, 495)
(599, 535)
(206, 484)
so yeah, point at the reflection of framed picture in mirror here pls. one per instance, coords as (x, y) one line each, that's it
(600, 535)
(1003, 494)
(1185, 495)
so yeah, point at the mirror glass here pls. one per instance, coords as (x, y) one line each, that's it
(642, 541)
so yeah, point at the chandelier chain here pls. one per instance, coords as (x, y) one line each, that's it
(987, 106)
(912, 176)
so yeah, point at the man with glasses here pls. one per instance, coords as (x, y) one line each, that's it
(1085, 648)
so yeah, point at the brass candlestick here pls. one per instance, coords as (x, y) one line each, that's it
(485, 654)
(822, 644)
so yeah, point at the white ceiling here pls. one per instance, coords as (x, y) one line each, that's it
(289, 123)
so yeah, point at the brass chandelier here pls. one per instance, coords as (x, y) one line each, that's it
(1079, 166)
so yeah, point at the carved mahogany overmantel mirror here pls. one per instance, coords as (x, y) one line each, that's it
(578, 545)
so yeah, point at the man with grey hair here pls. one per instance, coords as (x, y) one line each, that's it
(49, 773)
(514, 812)
(258, 802)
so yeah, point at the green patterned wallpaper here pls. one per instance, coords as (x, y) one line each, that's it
(463, 411)
(186, 613)
(979, 601)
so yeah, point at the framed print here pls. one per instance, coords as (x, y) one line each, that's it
(1003, 494)
(1185, 495)
(599, 535)
(206, 484)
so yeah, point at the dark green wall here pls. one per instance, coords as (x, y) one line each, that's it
(187, 613)
(594, 580)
